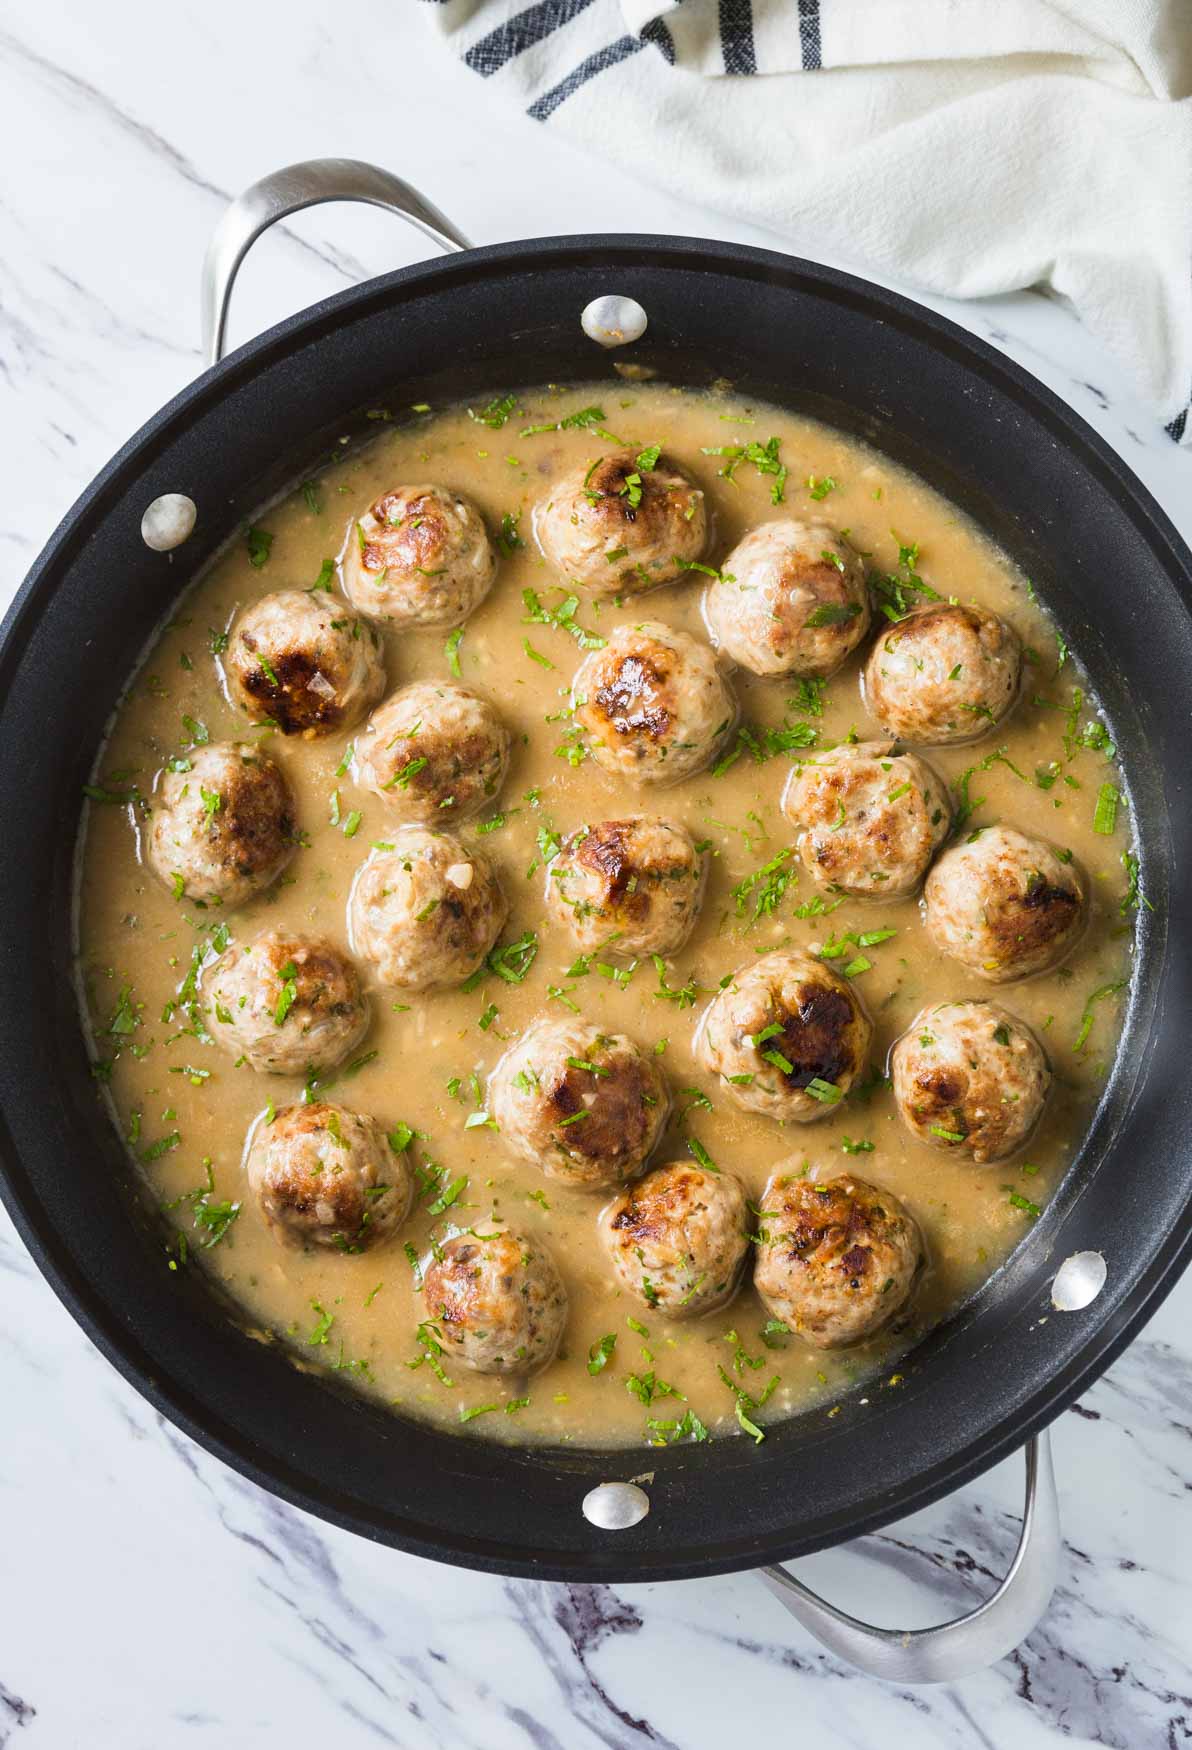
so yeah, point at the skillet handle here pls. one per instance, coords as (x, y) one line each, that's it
(287, 191)
(968, 1643)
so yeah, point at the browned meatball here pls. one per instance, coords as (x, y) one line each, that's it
(288, 1003)
(790, 599)
(677, 1239)
(434, 753)
(971, 1079)
(788, 1036)
(304, 662)
(836, 1259)
(624, 525)
(1005, 905)
(629, 887)
(424, 912)
(586, 1107)
(946, 673)
(869, 819)
(654, 703)
(324, 1176)
(223, 825)
(497, 1298)
(419, 556)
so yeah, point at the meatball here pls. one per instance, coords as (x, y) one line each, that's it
(287, 1003)
(324, 1176)
(585, 1106)
(497, 1299)
(971, 1079)
(869, 819)
(654, 703)
(425, 912)
(630, 887)
(1005, 905)
(303, 662)
(623, 526)
(946, 673)
(837, 1258)
(223, 825)
(420, 556)
(790, 599)
(434, 752)
(789, 1037)
(677, 1239)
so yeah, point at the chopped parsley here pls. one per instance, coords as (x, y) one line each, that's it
(587, 419)
(496, 414)
(1133, 896)
(764, 457)
(562, 617)
(1105, 813)
(601, 1353)
(259, 543)
(765, 888)
(700, 1155)
(1100, 995)
(509, 540)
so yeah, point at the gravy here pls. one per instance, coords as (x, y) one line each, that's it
(184, 1109)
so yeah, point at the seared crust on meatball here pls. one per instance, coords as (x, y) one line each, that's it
(497, 1299)
(654, 703)
(419, 556)
(1005, 905)
(224, 828)
(947, 673)
(970, 1079)
(324, 1176)
(785, 1025)
(304, 662)
(586, 1106)
(837, 1258)
(791, 598)
(677, 1239)
(620, 528)
(869, 819)
(629, 887)
(288, 1003)
(425, 913)
(433, 753)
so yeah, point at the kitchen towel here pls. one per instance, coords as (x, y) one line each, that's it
(969, 147)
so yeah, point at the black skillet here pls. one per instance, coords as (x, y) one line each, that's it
(1105, 560)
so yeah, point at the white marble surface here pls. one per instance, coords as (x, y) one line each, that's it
(149, 1597)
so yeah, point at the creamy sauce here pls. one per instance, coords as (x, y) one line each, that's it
(426, 1058)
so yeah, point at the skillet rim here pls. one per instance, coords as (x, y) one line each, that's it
(1109, 1335)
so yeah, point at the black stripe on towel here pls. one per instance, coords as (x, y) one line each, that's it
(736, 36)
(654, 31)
(549, 102)
(1178, 426)
(809, 35)
(519, 33)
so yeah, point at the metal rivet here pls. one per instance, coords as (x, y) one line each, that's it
(169, 521)
(613, 321)
(616, 1506)
(1078, 1281)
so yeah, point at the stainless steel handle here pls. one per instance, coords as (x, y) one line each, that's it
(969, 1643)
(288, 191)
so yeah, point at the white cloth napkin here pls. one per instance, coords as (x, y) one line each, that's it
(967, 146)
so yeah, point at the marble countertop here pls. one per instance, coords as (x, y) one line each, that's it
(150, 1597)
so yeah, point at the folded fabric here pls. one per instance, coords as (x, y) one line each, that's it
(966, 148)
